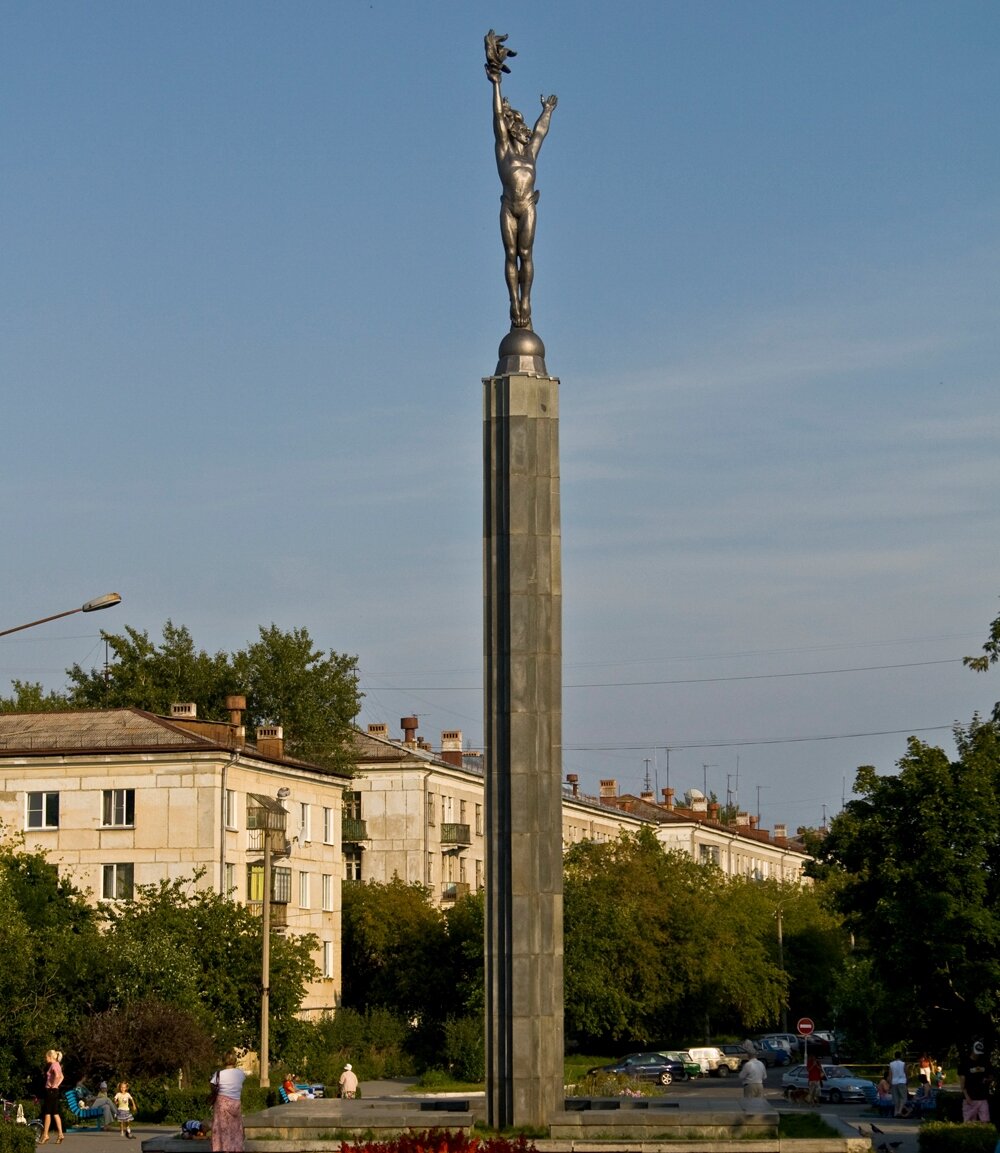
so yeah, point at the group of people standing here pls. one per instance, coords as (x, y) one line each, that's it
(120, 1108)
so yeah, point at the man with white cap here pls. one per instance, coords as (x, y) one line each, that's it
(348, 1082)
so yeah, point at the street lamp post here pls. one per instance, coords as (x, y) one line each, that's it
(104, 602)
(270, 817)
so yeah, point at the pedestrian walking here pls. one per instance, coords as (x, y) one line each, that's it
(125, 1108)
(348, 1083)
(227, 1110)
(50, 1103)
(897, 1080)
(752, 1077)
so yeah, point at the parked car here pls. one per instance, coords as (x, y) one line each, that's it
(790, 1041)
(647, 1067)
(713, 1061)
(691, 1066)
(736, 1056)
(771, 1053)
(839, 1084)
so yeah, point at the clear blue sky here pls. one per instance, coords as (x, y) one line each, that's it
(251, 278)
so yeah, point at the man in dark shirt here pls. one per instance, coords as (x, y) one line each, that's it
(975, 1076)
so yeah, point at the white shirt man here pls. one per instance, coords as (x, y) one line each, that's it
(752, 1076)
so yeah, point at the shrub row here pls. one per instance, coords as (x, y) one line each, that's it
(944, 1137)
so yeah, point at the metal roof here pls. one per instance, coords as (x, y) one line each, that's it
(93, 730)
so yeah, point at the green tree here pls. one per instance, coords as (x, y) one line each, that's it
(285, 678)
(394, 943)
(314, 696)
(186, 946)
(30, 697)
(52, 952)
(920, 860)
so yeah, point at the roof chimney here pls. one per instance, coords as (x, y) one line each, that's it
(573, 780)
(236, 704)
(742, 820)
(270, 741)
(781, 835)
(451, 747)
(380, 730)
(187, 710)
(713, 810)
(409, 726)
(668, 798)
(609, 789)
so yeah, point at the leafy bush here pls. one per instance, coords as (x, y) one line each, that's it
(16, 1138)
(465, 1048)
(944, 1137)
(600, 1084)
(374, 1042)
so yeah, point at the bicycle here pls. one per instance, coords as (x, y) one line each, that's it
(13, 1114)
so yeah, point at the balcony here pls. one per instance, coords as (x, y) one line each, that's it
(452, 890)
(256, 839)
(279, 913)
(353, 829)
(456, 836)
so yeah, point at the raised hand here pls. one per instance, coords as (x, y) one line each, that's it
(496, 54)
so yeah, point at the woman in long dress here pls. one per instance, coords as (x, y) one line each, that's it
(227, 1113)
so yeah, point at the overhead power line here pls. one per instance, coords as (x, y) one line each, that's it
(680, 680)
(728, 744)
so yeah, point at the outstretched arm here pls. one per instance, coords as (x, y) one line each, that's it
(540, 131)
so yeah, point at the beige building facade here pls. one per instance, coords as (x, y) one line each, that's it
(421, 818)
(122, 798)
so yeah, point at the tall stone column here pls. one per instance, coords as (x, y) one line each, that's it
(523, 658)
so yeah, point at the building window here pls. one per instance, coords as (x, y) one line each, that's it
(479, 875)
(429, 877)
(305, 824)
(281, 884)
(461, 813)
(479, 820)
(117, 882)
(328, 826)
(327, 958)
(303, 890)
(229, 880)
(231, 809)
(461, 869)
(708, 854)
(327, 893)
(352, 862)
(119, 808)
(430, 808)
(352, 806)
(42, 811)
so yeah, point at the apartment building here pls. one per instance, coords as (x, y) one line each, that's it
(738, 847)
(121, 798)
(418, 814)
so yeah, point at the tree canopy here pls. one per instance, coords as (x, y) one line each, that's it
(919, 854)
(286, 680)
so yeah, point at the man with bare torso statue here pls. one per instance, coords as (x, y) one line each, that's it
(517, 149)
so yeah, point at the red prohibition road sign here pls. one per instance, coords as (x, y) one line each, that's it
(805, 1026)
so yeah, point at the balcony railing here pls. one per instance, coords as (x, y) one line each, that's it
(353, 829)
(279, 913)
(280, 847)
(455, 835)
(452, 890)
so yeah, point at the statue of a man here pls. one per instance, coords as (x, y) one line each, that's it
(517, 150)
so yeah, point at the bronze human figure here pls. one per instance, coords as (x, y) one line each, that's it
(517, 150)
